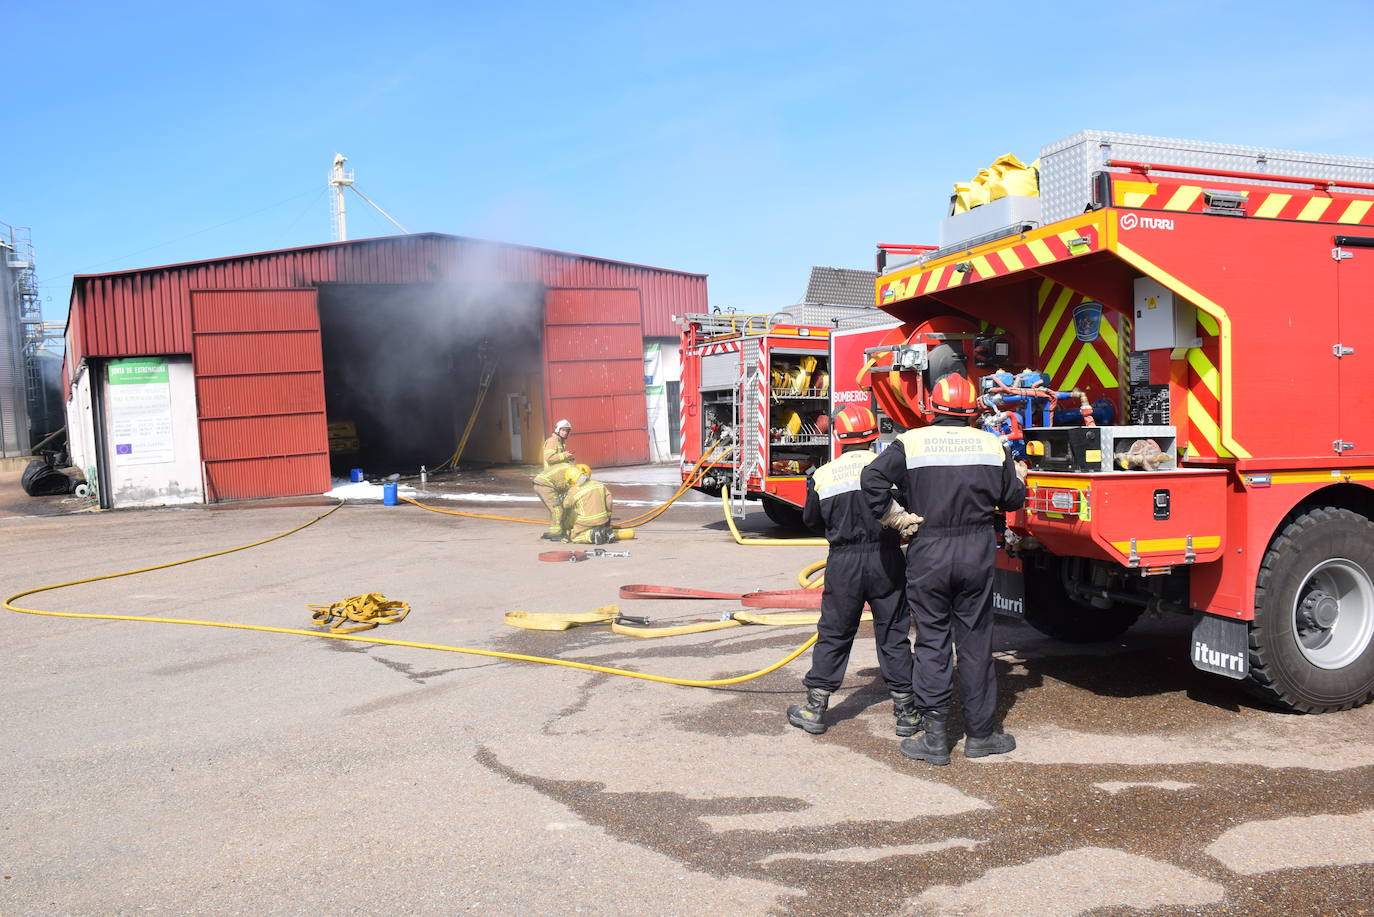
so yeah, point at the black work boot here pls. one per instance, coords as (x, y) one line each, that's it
(904, 709)
(810, 716)
(994, 743)
(933, 745)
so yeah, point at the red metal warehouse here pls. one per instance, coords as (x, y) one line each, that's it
(247, 361)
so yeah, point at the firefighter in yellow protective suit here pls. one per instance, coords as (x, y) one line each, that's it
(556, 451)
(550, 485)
(586, 509)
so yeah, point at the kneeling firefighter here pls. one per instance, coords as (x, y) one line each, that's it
(586, 508)
(550, 485)
(865, 565)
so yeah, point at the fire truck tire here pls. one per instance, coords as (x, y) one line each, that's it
(1312, 640)
(783, 514)
(1050, 610)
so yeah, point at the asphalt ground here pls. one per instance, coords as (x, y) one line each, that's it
(171, 769)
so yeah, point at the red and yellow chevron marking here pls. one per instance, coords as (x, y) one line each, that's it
(1068, 361)
(1002, 257)
(1293, 203)
(1204, 391)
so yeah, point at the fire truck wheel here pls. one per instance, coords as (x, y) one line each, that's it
(1312, 640)
(1050, 610)
(783, 514)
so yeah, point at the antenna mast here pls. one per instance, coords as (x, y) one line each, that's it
(339, 179)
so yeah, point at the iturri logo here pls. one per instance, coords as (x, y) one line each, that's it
(1133, 221)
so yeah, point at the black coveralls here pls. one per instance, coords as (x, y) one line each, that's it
(865, 565)
(956, 477)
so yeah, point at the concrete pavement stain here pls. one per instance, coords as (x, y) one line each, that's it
(1037, 810)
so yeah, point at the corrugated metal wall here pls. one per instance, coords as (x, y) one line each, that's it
(594, 373)
(260, 393)
(146, 312)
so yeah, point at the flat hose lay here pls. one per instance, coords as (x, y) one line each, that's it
(378, 641)
(777, 598)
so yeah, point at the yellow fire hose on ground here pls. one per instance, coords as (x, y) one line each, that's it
(740, 539)
(10, 605)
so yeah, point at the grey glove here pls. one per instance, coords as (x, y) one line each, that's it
(904, 523)
(908, 523)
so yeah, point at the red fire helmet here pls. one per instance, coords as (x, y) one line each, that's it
(954, 395)
(856, 424)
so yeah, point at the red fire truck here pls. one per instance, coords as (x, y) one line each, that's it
(759, 386)
(1177, 338)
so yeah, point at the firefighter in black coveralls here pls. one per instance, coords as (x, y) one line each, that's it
(865, 565)
(957, 477)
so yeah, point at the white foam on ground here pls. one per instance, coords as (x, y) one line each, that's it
(363, 490)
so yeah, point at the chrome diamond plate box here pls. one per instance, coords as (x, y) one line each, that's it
(1067, 166)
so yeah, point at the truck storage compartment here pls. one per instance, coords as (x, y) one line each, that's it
(1137, 519)
(1089, 449)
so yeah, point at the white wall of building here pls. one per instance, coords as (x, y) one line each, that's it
(662, 365)
(81, 427)
(152, 439)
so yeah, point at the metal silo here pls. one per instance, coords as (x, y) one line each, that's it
(14, 412)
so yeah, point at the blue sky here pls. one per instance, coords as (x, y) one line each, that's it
(745, 141)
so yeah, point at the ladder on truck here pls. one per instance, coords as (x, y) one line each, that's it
(749, 421)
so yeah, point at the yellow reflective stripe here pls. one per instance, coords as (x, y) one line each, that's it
(955, 278)
(983, 267)
(1272, 205)
(1133, 193)
(1355, 212)
(1208, 323)
(1108, 331)
(1156, 545)
(1042, 294)
(1033, 480)
(1069, 236)
(1061, 350)
(1205, 425)
(1088, 357)
(1206, 372)
(1040, 251)
(931, 281)
(1321, 477)
(1047, 329)
(1315, 208)
(1184, 197)
(1010, 259)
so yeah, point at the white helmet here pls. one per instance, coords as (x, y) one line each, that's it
(563, 424)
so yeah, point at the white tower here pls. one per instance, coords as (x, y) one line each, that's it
(339, 178)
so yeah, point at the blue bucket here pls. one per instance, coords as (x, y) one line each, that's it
(356, 475)
(1087, 321)
(389, 493)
